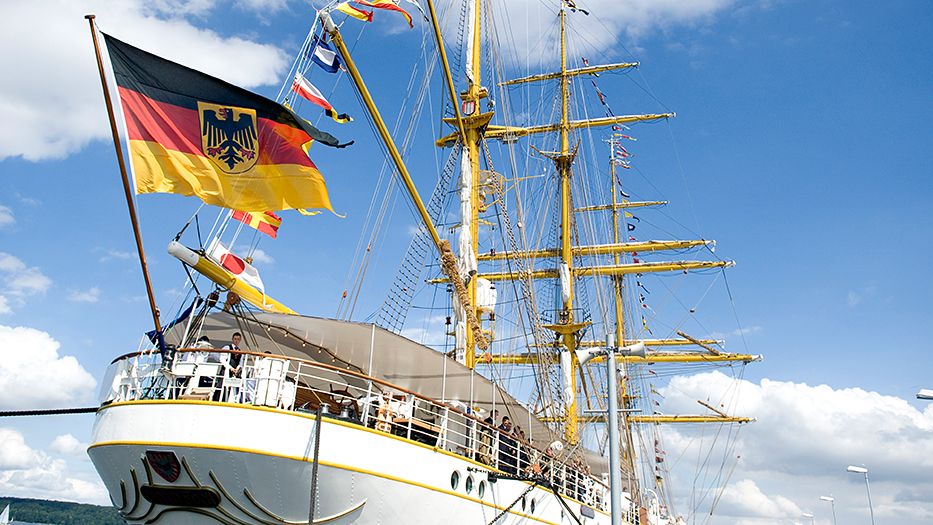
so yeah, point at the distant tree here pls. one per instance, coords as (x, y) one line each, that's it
(60, 512)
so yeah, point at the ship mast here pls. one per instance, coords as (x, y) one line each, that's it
(468, 242)
(628, 457)
(566, 327)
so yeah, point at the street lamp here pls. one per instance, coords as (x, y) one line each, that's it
(808, 515)
(863, 470)
(833, 502)
(925, 394)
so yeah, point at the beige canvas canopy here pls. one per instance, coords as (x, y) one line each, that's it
(376, 352)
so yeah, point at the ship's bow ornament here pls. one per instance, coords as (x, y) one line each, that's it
(164, 463)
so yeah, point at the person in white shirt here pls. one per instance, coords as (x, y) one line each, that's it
(231, 362)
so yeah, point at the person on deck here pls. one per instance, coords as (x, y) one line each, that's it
(485, 448)
(522, 450)
(507, 451)
(231, 362)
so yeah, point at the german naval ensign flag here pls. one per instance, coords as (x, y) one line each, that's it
(193, 134)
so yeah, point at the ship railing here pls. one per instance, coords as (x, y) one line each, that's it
(301, 385)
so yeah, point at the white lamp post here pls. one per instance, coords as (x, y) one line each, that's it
(615, 477)
(833, 502)
(863, 470)
(808, 515)
(925, 394)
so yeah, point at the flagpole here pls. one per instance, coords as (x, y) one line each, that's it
(126, 184)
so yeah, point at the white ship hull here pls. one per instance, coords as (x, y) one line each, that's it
(242, 464)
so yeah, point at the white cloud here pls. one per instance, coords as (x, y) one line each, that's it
(854, 299)
(28, 200)
(90, 296)
(260, 256)
(6, 216)
(40, 123)
(738, 332)
(28, 360)
(19, 281)
(429, 331)
(28, 282)
(14, 453)
(10, 264)
(746, 498)
(610, 22)
(800, 444)
(69, 446)
(25, 472)
(116, 254)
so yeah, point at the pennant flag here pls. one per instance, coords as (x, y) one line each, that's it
(366, 16)
(266, 222)
(586, 63)
(574, 8)
(321, 54)
(388, 5)
(310, 93)
(193, 134)
(416, 4)
(152, 335)
(235, 265)
(644, 323)
(598, 92)
(631, 227)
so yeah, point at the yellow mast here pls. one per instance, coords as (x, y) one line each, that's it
(569, 329)
(471, 98)
(472, 126)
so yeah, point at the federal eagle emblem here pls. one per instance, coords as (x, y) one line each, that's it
(164, 463)
(228, 136)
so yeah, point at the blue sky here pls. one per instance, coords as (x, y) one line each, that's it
(801, 145)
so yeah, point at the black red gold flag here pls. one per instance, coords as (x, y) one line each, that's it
(194, 134)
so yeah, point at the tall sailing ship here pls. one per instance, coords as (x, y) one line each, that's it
(532, 246)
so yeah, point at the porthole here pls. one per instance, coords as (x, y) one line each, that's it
(454, 479)
(469, 484)
(524, 503)
(481, 489)
(532, 505)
